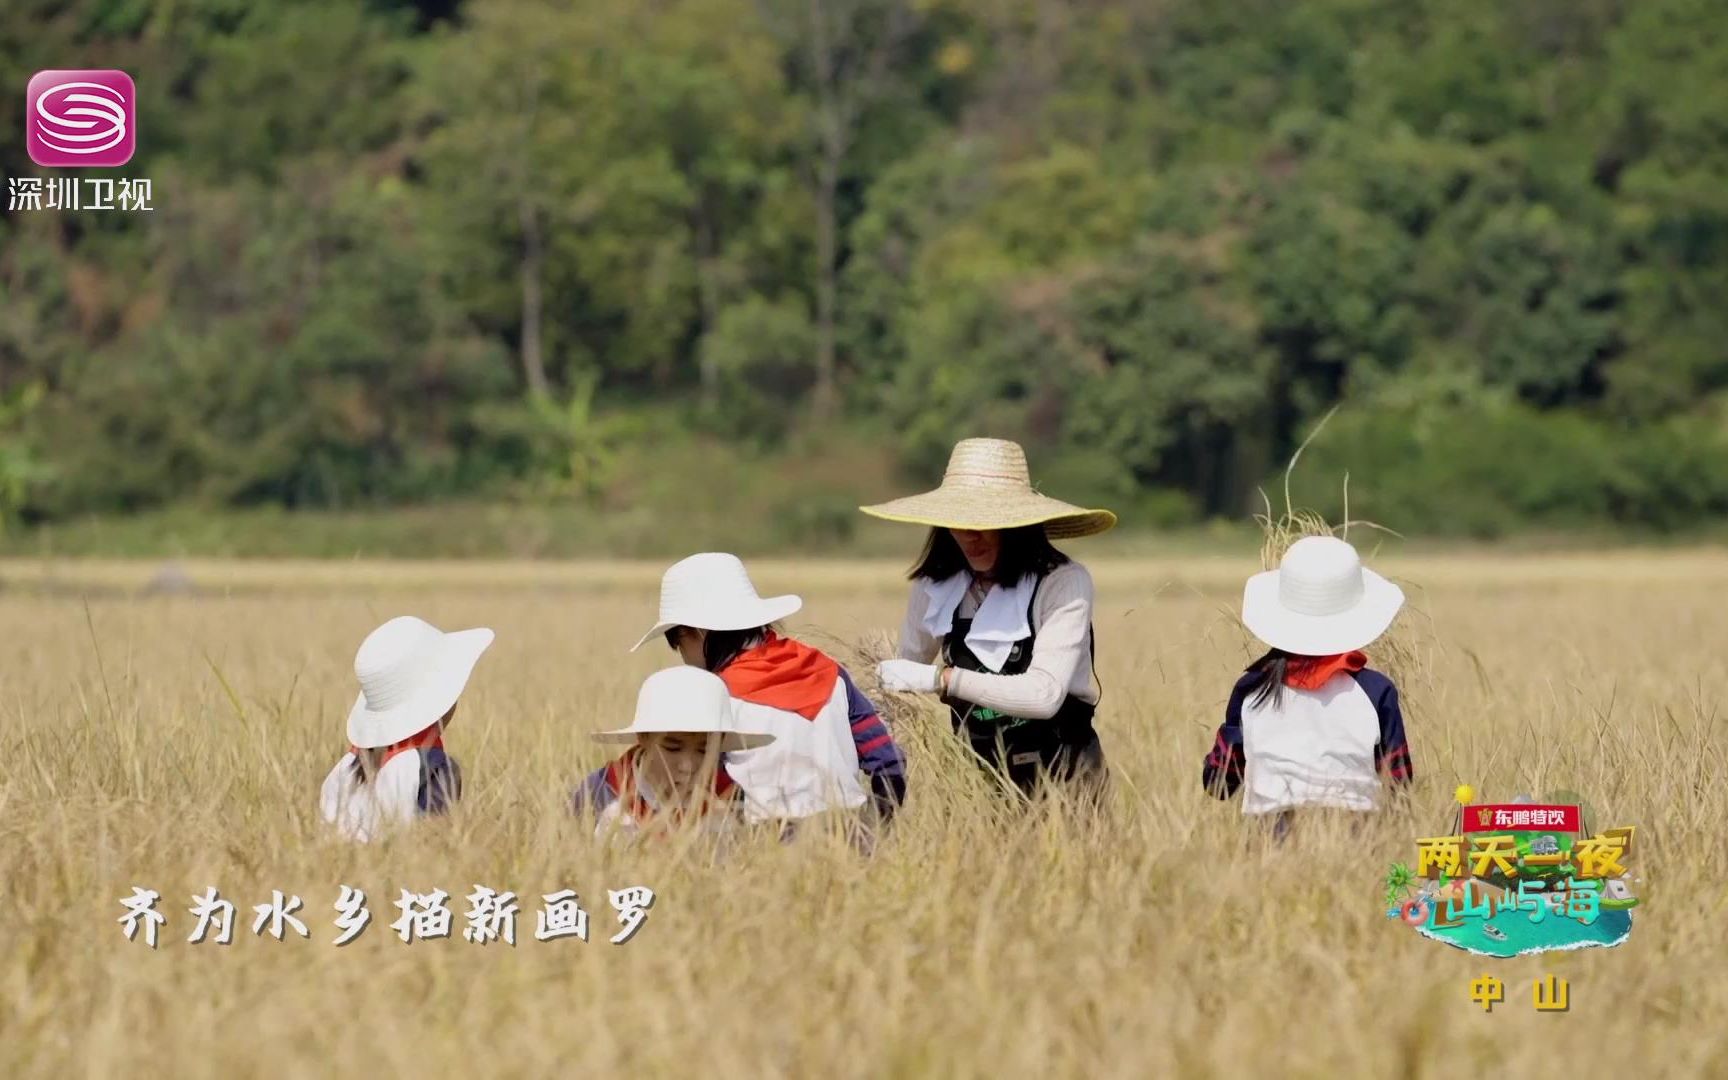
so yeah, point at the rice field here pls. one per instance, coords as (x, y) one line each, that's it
(175, 741)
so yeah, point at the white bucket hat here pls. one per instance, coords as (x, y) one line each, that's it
(686, 699)
(712, 591)
(1320, 601)
(410, 674)
(987, 486)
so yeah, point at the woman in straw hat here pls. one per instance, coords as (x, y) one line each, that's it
(999, 623)
(825, 730)
(1310, 724)
(671, 776)
(411, 674)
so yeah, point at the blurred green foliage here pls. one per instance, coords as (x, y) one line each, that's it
(412, 251)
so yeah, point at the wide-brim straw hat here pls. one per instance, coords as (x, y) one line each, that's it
(713, 591)
(686, 700)
(410, 674)
(1321, 600)
(987, 486)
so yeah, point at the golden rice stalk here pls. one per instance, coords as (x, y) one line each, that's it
(1406, 651)
(935, 756)
(919, 721)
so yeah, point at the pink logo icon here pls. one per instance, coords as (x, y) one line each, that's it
(80, 119)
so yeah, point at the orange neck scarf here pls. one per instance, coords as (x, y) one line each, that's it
(782, 674)
(1311, 672)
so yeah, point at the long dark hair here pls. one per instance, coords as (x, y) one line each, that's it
(1026, 550)
(721, 647)
(1268, 687)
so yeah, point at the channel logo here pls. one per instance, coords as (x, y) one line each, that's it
(80, 119)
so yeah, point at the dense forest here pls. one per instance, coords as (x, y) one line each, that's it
(404, 252)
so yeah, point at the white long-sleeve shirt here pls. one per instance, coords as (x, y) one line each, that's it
(1061, 653)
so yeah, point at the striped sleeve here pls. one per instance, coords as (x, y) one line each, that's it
(440, 782)
(593, 794)
(1221, 773)
(878, 754)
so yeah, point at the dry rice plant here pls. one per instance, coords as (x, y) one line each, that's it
(177, 742)
(1406, 651)
(921, 726)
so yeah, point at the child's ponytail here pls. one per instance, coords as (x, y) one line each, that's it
(1268, 688)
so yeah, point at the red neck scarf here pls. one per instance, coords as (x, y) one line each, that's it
(783, 674)
(1311, 672)
(430, 738)
(621, 778)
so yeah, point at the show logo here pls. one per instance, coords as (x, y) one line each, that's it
(1517, 878)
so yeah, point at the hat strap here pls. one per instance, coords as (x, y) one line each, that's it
(984, 474)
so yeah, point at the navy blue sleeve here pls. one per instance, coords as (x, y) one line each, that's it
(593, 794)
(440, 781)
(1221, 774)
(878, 754)
(1392, 752)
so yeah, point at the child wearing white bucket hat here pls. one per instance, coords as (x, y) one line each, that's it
(411, 674)
(826, 731)
(672, 773)
(1310, 724)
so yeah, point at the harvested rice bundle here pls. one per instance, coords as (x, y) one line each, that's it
(903, 712)
(919, 723)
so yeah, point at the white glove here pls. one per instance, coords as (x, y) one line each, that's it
(908, 675)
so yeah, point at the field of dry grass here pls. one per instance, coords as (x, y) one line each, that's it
(177, 741)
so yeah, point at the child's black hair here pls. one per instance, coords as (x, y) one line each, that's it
(721, 647)
(1268, 688)
(1026, 550)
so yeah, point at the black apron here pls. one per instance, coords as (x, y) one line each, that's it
(1063, 748)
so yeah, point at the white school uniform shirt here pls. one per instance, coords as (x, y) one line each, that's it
(810, 767)
(1314, 748)
(361, 811)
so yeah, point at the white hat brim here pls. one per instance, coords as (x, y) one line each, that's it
(458, 652)
(1319, 635)
(730, 742)
(766, 610)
